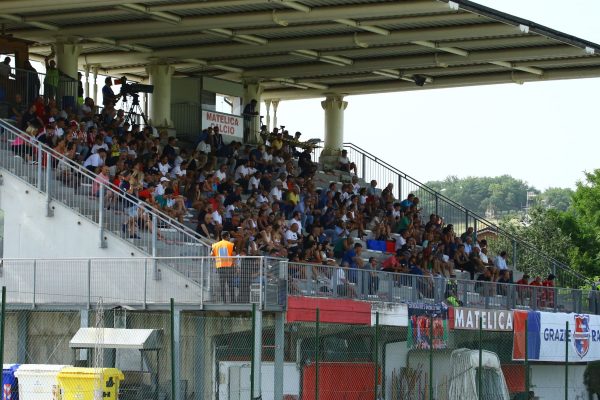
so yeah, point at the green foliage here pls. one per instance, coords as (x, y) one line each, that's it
(591, 377)
(544, 231)
(558, 198)
(501, 194)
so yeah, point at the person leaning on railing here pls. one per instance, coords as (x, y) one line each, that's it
(223, 252)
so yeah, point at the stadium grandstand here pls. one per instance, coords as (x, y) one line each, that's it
(162, 229)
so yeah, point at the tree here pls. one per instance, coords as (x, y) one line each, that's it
(591, 378)
(558, 198)
(502, 194)
(544, 232)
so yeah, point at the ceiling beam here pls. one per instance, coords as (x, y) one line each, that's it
(156, 15)
(252, 19)
(40, 6)
(418, 61)
(316, 43)
(391, 85)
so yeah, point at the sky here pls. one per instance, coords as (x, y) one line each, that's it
(543, 133)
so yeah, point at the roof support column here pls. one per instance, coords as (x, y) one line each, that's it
(334, 106)
(252, 91)
(67, 55)
(275, 105)
(160, 101)
(268, 107)
(87, 81)
(95, 92)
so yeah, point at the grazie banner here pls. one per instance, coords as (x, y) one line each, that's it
(547, 336)
(231, 125)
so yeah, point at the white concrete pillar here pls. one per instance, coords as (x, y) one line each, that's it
(95, 92)
(67, 56)
(253, 91)
(87, 81)
(160, 100)
(268, 121)
(334, 106)
(275, 105)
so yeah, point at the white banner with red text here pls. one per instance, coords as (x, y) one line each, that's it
(228, 124)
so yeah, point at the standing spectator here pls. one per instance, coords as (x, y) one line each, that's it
(51, 79)
(250, 114)
(224, 262)
(548, 294)
(108, 96)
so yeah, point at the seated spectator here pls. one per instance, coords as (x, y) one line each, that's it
(343, 285)
(484, 284)
(503, 283)
(293, 239)
(95, 161)
(344, 163)
(500, 261)
(462, 261)
(353, 257)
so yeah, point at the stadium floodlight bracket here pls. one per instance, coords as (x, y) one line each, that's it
(454, 6)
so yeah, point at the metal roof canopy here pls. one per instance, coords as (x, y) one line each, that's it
(308, 48)
(116, 338)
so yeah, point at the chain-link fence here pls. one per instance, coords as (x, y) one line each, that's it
(419, 351)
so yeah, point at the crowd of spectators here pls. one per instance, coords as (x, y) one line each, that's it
(267, 197)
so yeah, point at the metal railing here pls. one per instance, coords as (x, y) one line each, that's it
(313, 280)
(117, 214)
(524, 256)
(146, 281)
(30, 84)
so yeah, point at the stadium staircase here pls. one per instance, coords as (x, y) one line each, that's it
(522, 255)
(72, 185)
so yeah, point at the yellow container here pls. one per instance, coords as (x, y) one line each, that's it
(82, 383)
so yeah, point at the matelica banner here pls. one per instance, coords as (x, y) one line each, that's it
(463, 318)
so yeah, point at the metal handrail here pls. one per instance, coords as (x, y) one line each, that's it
(78, 169)
(463, 209)
(461, 289)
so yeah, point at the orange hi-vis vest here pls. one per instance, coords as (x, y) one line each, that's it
(223, 251)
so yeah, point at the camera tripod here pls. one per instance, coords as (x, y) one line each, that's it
(134, 110)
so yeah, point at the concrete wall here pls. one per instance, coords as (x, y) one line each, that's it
(548, 381)
(29, 233)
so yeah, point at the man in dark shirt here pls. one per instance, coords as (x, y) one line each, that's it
(169, 149)
(233, 197)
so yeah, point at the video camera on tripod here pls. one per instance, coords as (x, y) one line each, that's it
(133, 90)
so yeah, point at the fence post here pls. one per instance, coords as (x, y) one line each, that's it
(317, 340)
(514, 244)
(153, 244)
(431, 357)
(101, 216)
(399, 187)
(40, 174)
(33, 299)
(437, 204)
(376, 355)
(2, 320)
(479, 372)
(49, 212)
(566, 359)
(253, 350)
(175, 331)
(364, 167)
(89, 283)
(466, 219)
(526, 357)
